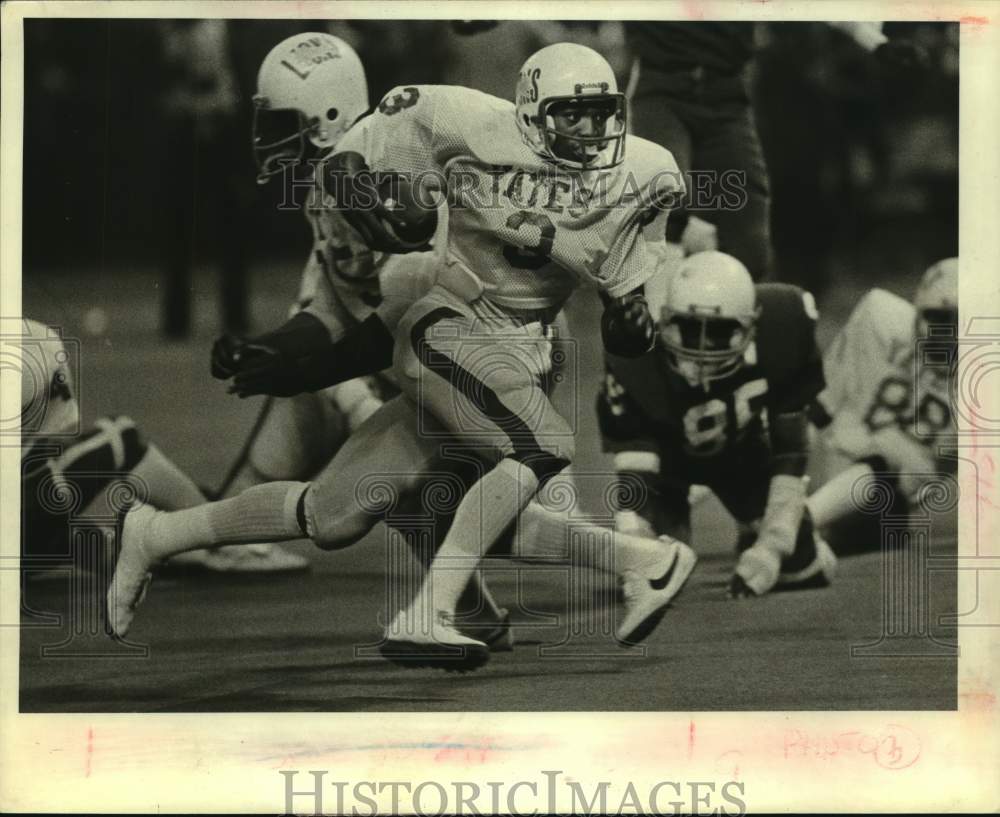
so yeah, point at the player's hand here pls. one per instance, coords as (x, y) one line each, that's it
(391, 214)
(627, 327)
(262, 369)
(757, 571)
(224, 354)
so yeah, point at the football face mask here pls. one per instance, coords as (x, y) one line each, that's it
(280, 139)
(587, 132)
(702, 348)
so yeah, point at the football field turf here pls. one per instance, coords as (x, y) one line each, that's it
(291, 643)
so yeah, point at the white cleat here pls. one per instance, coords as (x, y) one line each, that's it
(496, 634)
(265, 557)
(408, 643)
(647, 594)
(133, 570)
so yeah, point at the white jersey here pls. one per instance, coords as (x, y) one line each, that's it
(48, 399)
(874, 382)
(527, 229)
(343, 280)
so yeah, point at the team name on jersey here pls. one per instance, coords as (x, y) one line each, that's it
(546, 189)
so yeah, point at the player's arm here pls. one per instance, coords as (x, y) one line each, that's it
(628, 329)
(301, 355)
(387, 170)
(788, 427)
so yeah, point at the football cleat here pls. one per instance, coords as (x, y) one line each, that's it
(820, 572)
(647, 594)
(501, 637)
(442, 647)
(133, 569)
(265, 557)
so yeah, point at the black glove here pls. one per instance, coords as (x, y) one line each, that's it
(627, 328)
(265, 369)
(224, 353)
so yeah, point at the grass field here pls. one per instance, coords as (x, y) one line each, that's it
(288, 643)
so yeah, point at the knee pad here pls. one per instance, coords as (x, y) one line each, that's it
(330, 530)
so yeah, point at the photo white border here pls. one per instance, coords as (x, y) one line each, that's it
(229, 762)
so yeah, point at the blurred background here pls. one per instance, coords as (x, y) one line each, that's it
(143, 222)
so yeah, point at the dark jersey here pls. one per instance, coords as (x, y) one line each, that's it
(783, 372)
(724, 48)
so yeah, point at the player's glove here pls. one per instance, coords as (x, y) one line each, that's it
(759, 566)
(274, 363)
(224, 356)
(627, 327)
(265, 369)
(618, 417)
(391, 214)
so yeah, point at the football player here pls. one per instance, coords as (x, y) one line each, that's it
(540, 197)
(310, 89)
(67, 473)
(886, 409)
(722, 402)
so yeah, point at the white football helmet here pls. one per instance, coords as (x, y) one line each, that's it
(936, 302)
(575, 84)
(709, 318)
(310, 86)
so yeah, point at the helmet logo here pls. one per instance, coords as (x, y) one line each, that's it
(305, 56)
(602, 87)
(530, 94)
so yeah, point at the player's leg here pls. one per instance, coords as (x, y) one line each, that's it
(330, 511)
(742, 481)
(730, 148)
(658, 495)
(298, 437)
(60, 481)
(653, 570)
(478, 373)
(837, 498)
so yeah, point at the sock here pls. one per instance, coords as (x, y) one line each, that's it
(554, 536)
(169, 488)
(835, 499)
(486, 511)
(264, 513)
